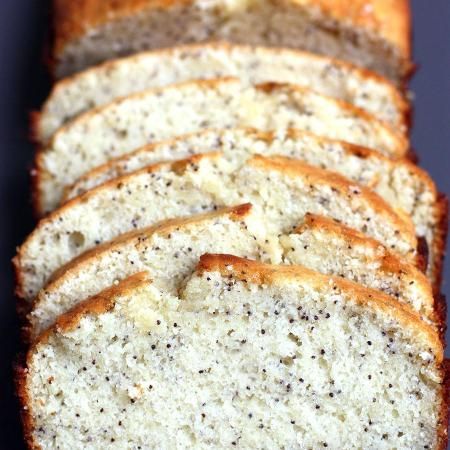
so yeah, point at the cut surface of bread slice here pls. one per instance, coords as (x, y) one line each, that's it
(169, 252)
(371, 33)
(102, 84)
(330, 247)
(246, 355)
(283, 189)
(157, 114)
(406, 187)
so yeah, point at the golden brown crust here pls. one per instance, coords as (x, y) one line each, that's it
(444, 416)
(440, 240)
(320, 176)
(260, 273)
(440, 314)
(389, 20)
(102, 302)
(315, 221)
(21, 373)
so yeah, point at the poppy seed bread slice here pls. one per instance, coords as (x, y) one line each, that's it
(284, 190)
(332, 248)
(248, 355)
(371, 33)
(169, 252)
(126, 124)
(102, 84)
(402, 184)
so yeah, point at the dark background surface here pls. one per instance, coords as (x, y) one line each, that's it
(23, 86)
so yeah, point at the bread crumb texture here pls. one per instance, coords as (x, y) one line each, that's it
(100, 85)
(244, 356)
(282, 189)
(153, 115)
(403, 185)
(169, 252)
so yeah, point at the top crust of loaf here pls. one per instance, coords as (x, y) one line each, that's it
(390, 20)
(100, 303)
(440, 244)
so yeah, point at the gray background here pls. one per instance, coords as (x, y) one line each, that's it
(23, 85)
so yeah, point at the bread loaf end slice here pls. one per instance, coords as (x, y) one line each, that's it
(371, 33)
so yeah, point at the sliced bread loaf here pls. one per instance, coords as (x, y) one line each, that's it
(100, 85)
(126, 124)
(246, 355)
(371, 33)
(283, 189)
(169, 252)
(406, 187)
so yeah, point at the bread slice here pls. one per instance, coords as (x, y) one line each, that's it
(100, 85)
(246, 355)
(157, 114)
(406, 187)
(371, 33)
(283, 189)
(327, 246)
(169, 252)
